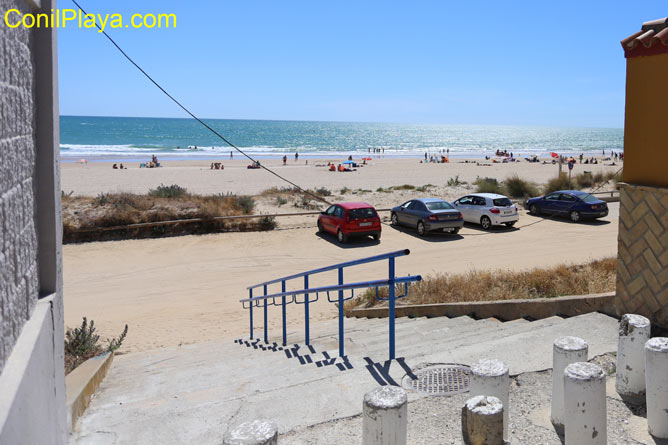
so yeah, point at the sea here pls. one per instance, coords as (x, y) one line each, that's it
(135, 138)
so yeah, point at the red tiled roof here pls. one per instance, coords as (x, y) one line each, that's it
(651, 39)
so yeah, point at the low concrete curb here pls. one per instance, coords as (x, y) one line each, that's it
(536, 308)
(81, 384)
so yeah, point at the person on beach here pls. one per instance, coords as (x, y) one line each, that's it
(296, 156)
(115, 167)
(231, 154)
(285, 159)
(121, 167)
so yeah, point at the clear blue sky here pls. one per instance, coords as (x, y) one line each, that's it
(480, 62)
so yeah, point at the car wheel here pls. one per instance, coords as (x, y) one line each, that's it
(510, 224)
(420, 228)
(394, 219)
(320, 229)
(575, 216)
(485, 222)
(534, 210)
(455, 231)
(342, 237)
(376, 236)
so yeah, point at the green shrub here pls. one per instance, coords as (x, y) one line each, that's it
(344, 190)
(82, 343)
(454, 182)
(322, 191)
(246, 203)
(281, 201)
(584, 180)
(101, 199)
(168, 191)
(517, 187)
(403, 187)
(267, 223)
(558, 183)
(487, 185)
(424, 188)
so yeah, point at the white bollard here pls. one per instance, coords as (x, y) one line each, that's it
(584, 404)
(565, 350)
(490, 377)
(255, 432)
(482, 421)
(656, 378)
(634, 331)
(385, 416)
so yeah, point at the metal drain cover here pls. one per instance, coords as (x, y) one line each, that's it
(439, 380)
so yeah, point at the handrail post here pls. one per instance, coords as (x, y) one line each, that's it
(250, 295)
(266, 335)
(306, 336)
(285, 328)
(391, 304)
(341, 353)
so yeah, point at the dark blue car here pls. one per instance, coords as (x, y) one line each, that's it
(575, 204)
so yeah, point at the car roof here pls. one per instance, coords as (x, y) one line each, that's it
(488, 195)
(571, 192)
(426, 200)
(354, 205)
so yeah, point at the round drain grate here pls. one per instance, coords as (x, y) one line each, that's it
(439, 380)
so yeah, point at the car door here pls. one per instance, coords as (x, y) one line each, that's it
(402, 215)
(567, 203)
(464, 206)
(337, 218)
(419, 212)
(327, 218)
(478, 205)
(550, 203)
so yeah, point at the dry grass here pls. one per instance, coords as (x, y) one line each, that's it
(594, 277)
(80, 214)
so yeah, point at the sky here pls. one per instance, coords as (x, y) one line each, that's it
(461, 62)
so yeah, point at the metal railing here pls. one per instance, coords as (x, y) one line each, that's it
(266, 299)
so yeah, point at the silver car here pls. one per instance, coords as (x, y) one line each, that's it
(427, 215)
(487, 209)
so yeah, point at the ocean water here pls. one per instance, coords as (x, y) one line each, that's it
(138, 138)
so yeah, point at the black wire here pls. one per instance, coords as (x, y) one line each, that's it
(319, 198)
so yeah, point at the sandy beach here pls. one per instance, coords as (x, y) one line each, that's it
(98, 177)
(186, 289)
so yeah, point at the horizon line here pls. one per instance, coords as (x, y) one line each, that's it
(346, 122)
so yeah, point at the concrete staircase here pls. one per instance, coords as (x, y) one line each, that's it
(191, 394)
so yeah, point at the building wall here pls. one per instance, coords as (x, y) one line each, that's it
(642, 266)
(18, 257)
(32, 383)
(645, 132)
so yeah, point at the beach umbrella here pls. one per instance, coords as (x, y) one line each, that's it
(366, 159)
(348, 162)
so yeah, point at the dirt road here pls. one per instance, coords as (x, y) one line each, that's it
(182, 290)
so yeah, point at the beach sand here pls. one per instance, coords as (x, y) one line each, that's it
(98, 177)
(186, 289)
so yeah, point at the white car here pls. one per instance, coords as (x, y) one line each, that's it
(487, 209)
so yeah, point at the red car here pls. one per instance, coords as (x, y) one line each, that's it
(348, 219)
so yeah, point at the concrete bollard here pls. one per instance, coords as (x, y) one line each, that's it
(255, 432)
(385, 416)
(489, 377)
(482, 421)
(634, 331)
(656, 380)
(565, 350)
(584, 404)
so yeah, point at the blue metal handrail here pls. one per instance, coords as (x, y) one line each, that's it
(370, 259)
(390, 283)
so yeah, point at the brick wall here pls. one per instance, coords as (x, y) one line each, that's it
(642, 266)
(19, 286)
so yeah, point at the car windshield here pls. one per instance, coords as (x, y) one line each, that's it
(586, 197)
(362, 213)
(438, 205)
(502, 202)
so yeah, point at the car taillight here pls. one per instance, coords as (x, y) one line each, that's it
(433, 218)
(495, 210)
(594, 207)
(459, 215)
